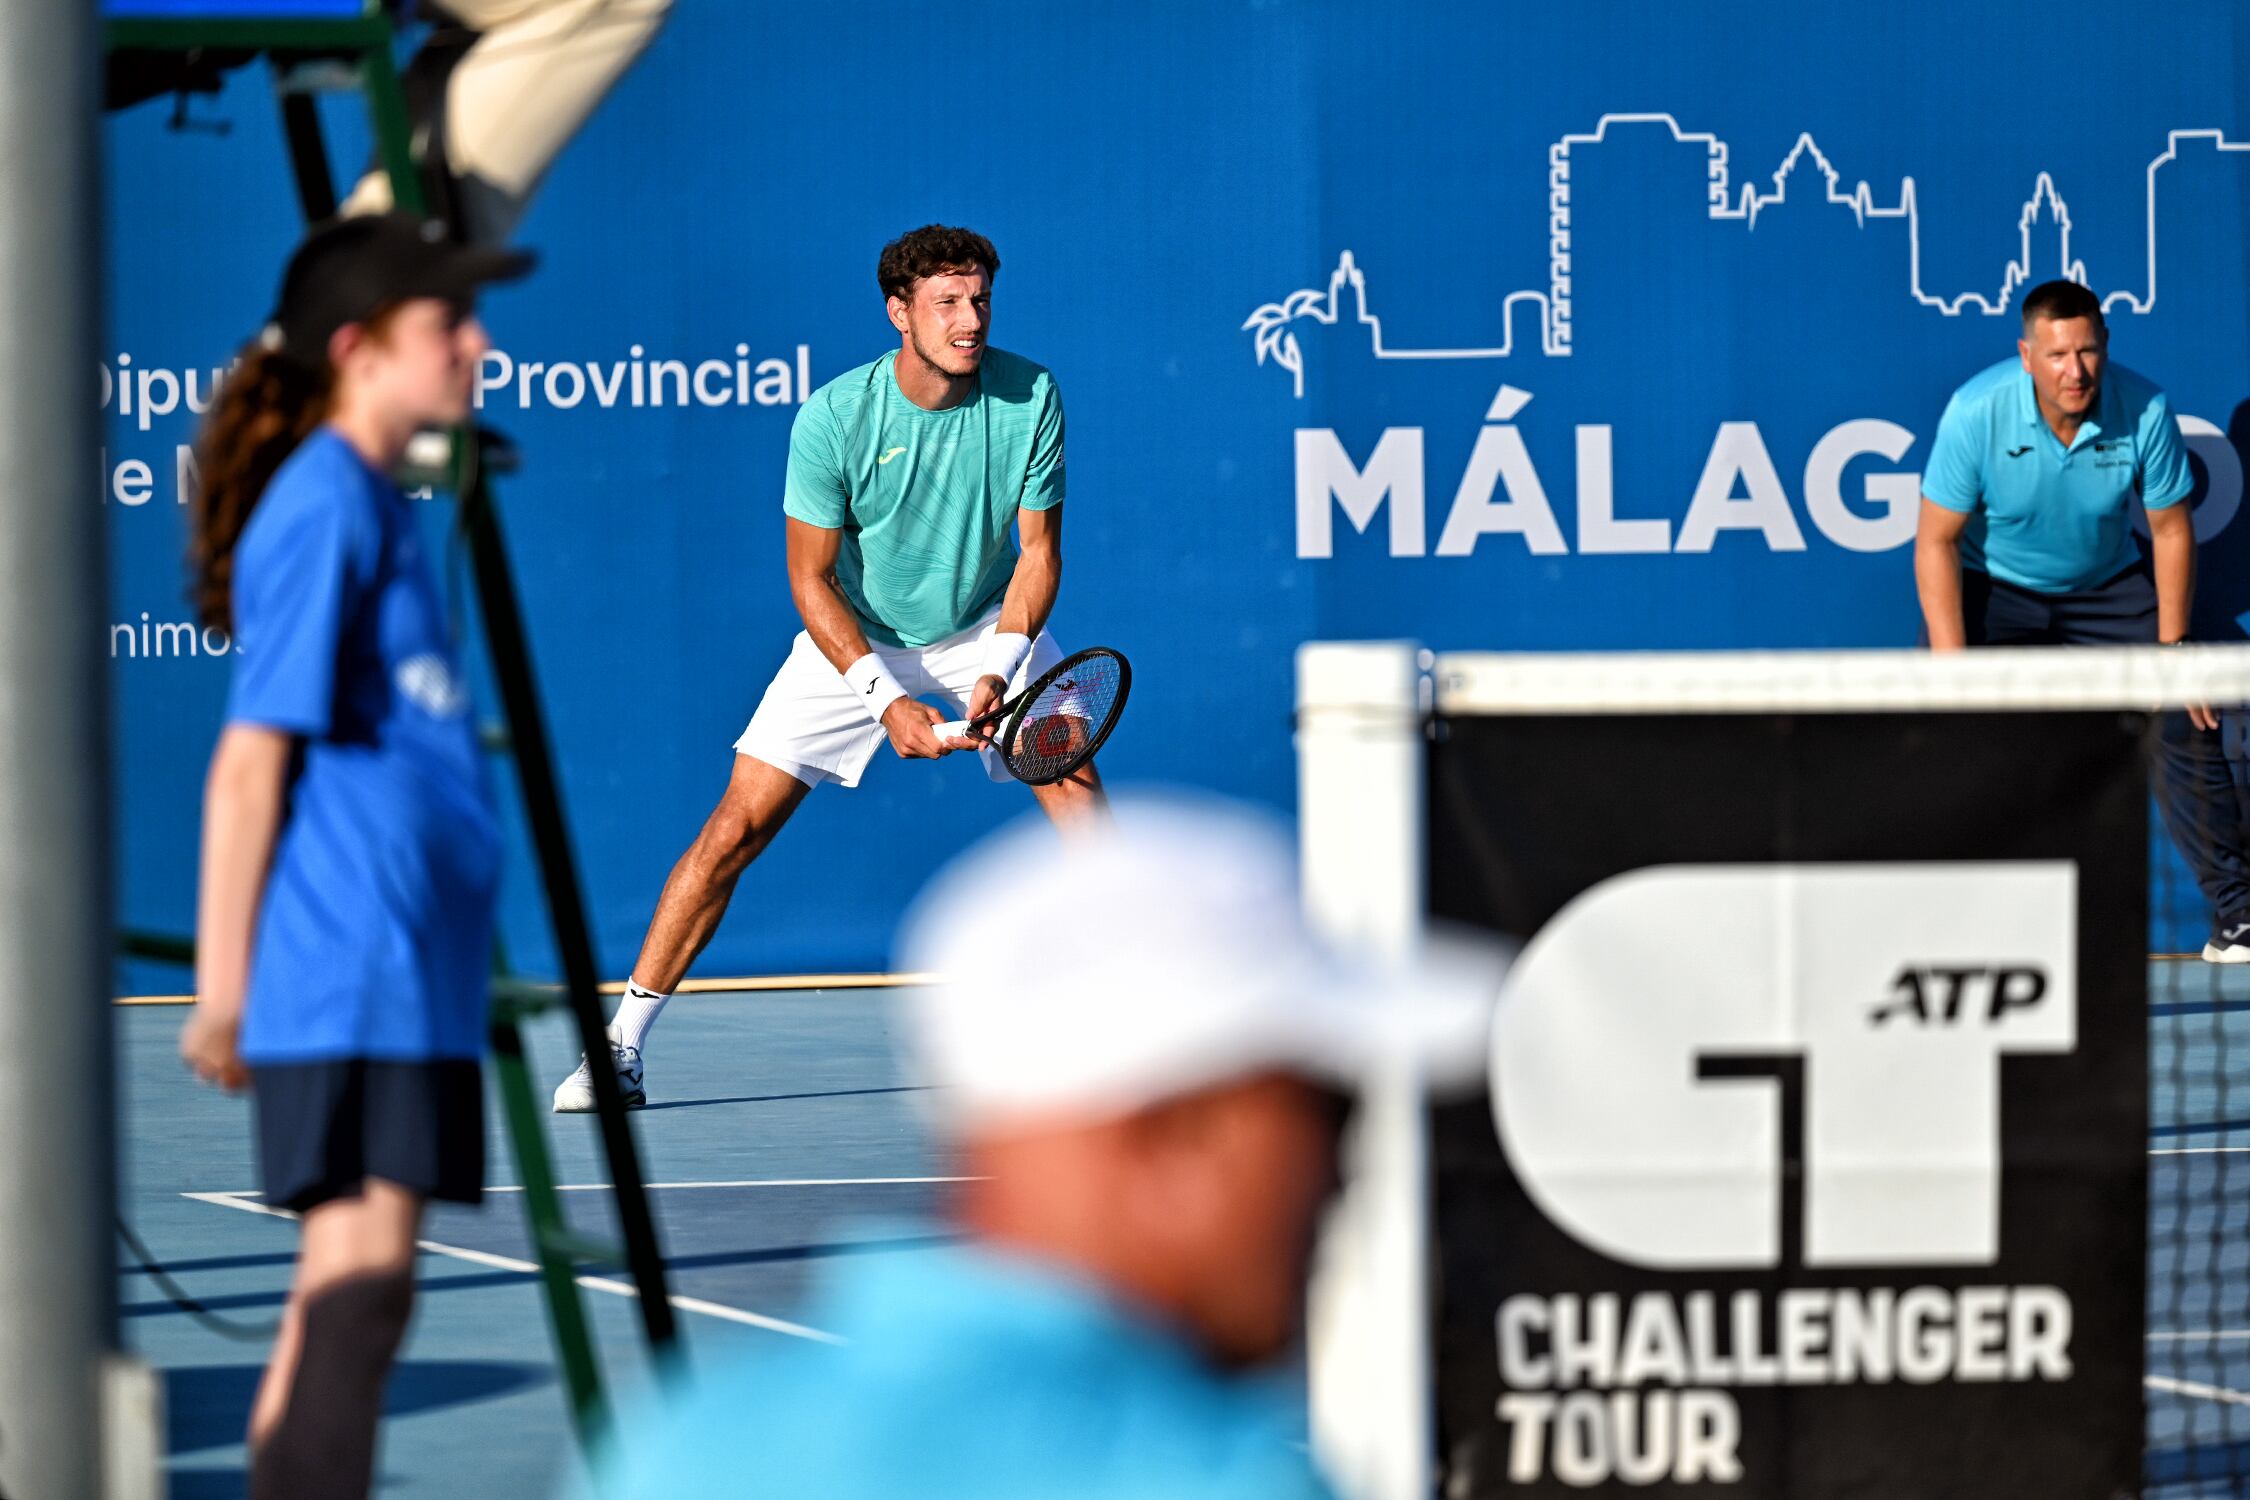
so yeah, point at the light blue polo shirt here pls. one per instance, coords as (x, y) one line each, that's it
(2047, 518)
(967, 1375)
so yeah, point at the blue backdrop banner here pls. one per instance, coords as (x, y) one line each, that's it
(1489, 325)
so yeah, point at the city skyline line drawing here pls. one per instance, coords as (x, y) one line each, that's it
(1273, 340)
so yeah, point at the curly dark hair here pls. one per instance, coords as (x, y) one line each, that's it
(932, 250)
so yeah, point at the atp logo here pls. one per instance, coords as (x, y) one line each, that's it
(1676, 1036)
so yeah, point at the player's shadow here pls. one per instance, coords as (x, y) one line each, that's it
(207, 1484)
(208, 1406)
(779, 1098)
(233, 1302)
(785, 1254)
(215, 1263)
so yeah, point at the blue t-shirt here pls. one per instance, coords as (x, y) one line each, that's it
(2044, 517)
(374, 935)
(968, 1375)
(926, 500)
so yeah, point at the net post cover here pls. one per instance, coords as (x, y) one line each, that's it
(1823, 1080)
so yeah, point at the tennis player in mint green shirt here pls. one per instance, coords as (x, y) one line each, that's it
(924, 512)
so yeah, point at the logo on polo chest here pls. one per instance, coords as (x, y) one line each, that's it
(428, 682)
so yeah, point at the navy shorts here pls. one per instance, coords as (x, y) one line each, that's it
(326, 1127)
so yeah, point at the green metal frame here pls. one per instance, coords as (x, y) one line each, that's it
(365, 46)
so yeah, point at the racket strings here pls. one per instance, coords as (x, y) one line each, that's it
(1065, 718)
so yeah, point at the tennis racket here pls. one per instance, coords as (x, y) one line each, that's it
(1055, 725)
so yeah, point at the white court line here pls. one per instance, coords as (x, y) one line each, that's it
(2194, 1388)
(530, 1268)
(2197, 1150)
(2199, 1336)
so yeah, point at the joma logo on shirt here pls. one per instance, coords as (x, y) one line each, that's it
(887, 457)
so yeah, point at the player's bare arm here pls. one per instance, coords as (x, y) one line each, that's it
(1937, 574)
(1031, 593)
(836, 631)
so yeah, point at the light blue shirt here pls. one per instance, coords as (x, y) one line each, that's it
(2044, 517)
(374, 933)
(968, 1375)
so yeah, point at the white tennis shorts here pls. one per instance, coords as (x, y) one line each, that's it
(813, 726)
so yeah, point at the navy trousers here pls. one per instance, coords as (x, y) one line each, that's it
(2202, 788)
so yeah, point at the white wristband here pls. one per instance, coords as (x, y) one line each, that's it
(1003, 654)
(876, 688)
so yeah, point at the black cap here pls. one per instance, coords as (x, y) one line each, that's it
(348, 269)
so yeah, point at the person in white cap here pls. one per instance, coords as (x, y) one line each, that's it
(1145, 1101)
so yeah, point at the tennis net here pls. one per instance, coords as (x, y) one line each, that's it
(1863, 1121)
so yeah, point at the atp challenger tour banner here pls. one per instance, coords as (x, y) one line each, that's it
(1815, 1157)
(1492, 324)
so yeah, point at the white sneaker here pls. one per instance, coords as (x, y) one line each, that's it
(575, 1094)
(2228, 945)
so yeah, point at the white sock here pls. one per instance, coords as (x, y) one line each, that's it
(636, 1013)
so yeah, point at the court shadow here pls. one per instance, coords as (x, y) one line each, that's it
(234, 1302)
(785, 1253)
(207, 1484)
(127, 1266)
(779, 1098)
(207, 1406)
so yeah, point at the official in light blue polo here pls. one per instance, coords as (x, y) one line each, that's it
(2026, 538)
(2045, 515)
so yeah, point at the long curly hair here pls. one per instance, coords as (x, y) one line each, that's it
(267, 406)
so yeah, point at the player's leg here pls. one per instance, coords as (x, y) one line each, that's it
(810, 727)
(313, 1430)
(1075, 799)
(759, 799)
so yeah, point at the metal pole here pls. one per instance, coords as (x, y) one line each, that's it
(57, 1279)
(566, 908)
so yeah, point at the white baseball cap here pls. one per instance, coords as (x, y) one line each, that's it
(1085, 975)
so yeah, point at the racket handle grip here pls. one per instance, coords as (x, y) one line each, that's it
(951, 729)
